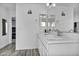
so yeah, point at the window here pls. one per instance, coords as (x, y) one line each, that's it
(43, 24)
(49, 24)
(53, 24)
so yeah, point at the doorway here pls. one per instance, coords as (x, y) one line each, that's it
(13, 29)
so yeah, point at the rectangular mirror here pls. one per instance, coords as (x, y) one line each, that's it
(4, 27)
(76, 26)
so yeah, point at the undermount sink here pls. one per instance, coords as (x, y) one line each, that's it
(52, 36)
(51, 33)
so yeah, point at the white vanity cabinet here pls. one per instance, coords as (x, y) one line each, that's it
(58, 46)
(42, 49)
(44, 46)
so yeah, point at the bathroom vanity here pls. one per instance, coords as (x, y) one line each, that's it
(52, 45)
(55, 42)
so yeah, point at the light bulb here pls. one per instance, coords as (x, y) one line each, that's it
(54, 5)
(47, 4)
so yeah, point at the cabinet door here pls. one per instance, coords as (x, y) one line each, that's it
(64, 49)
(45, 52)
(40, 48)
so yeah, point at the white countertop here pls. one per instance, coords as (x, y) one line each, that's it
(54, 39)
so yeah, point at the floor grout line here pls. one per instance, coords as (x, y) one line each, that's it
(10, 51)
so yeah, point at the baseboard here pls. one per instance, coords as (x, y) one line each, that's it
(26, 48)
(4, 46)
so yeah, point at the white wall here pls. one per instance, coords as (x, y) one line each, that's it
(27, 25)
(76, 13)
(12, 13)
(7, 14)
(4, 40)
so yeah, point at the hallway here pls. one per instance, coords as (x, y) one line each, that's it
(10, 51)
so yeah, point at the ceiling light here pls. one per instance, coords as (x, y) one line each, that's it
(50, 5)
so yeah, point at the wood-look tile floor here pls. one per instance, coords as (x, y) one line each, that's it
(10, 51)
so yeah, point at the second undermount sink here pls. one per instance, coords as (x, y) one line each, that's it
(52, 35)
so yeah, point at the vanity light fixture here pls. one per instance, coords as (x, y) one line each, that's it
(53, 24)
(43, 24)
(29, 11)
(62, 14)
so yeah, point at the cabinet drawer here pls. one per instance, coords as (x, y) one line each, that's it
(40, 48)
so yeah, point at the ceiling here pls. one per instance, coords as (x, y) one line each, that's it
(11, 6)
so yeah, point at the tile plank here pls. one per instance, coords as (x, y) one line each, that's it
(9, 50)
